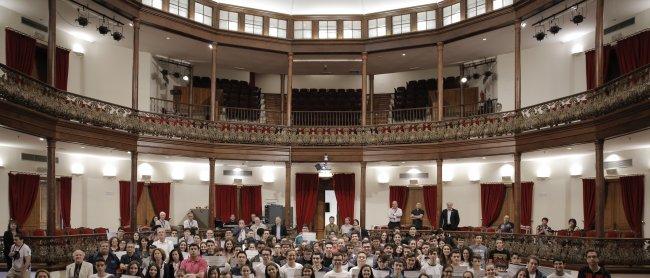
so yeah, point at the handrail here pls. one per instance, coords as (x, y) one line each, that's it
(21, 89)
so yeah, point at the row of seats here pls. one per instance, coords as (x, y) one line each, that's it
(326, 99)
(416, 95)
(235, 94)
(67, 231)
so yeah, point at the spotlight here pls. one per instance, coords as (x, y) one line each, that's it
(463, 79)
(578, 18)
(117, 36)
(82, 20)
(103, 29)
(186, 78)
(540, 35)
(476, 76)
(554, 29)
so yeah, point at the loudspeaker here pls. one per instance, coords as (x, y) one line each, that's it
(272, 211)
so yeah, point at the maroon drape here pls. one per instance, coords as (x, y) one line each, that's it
(20, 51)
(23, 191)
(589, 202)
(632, 52)
(306, 198)
(125, 201)
(61, 72)
(251, 201)
(399, 194)
(65, 198)
(431, 203)
(159, 192)
(632, 193)
(225, 203)
(492, 197)
(344, 189)
(526, 203)
(590, 57)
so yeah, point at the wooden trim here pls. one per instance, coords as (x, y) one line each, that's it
(135, 63)
(362, 196)
(190, 9)
(211, 200)
(287, 195)
(517, 64)
(439, 189)
(600, 7)
(133, 194)
(165, 5)
(601, 193)
(51, 43)
(289, 88)
(517, 193)
(364, 86)
(214, 102)
(440, 91)
(51, 186)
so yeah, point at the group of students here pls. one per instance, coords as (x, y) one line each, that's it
(166, 254)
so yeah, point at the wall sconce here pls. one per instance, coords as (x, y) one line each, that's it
(447, 173)
(575, 170)
(507, 171)
(77, 169)
(267, 174)
(109, 171)
(204, 176)
(382, 177)
(474, 173)
(146, 171)
(177, 173)
(543, 172)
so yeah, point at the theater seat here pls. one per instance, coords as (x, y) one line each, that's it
(39, 232)
(59, 232)
(490, 230)
(591, 233)
(611, 234)
(576, 233)
(562, 233)
(85, 231)
(70, 231)
(628, 234)
(100, 230)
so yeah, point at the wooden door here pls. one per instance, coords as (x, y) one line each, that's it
(614, 213)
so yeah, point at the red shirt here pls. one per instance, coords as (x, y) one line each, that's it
(194, 266)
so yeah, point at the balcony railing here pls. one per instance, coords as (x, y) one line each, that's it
(193, 111)
(630, 89)
(326, 118)
(246, 115)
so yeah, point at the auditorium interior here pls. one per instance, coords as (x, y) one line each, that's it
(463, 113)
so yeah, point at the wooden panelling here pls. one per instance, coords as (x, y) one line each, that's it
(163, 146)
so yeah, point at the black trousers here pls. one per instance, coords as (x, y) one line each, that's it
(393, 225)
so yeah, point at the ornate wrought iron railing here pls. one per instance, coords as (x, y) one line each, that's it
(164, 106)
(623, 91)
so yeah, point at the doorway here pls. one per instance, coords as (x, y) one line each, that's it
(325, 206)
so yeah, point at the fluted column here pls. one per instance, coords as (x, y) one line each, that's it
(362, 197)
(287, 194)
(517, 193)
(133, 194)
(601, 193)
(600, 8)
(517, 64)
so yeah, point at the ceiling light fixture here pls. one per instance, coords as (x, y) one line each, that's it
(554, 29)
(117, 35)
(577, 17)
(403, 54)
(539, 36)
(463, 79)
(485, 39)
(523, 24)
(186, 78)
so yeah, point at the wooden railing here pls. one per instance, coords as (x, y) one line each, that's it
(626, 90)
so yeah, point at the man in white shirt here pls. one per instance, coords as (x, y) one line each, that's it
(431, 267)
(163, 222)
(558, 264)
(21, 256)
(260, 269)
(291, 269)
(347, 227)
(394, 216)
(190, 222)
(257, 224)
(337, 268)
(162, 243)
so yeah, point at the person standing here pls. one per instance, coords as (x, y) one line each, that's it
(278, 230)
(394, 216)
(21, 258)
(449, 218)
(416, 216)
(331, 227)
(8, 240)
(592, 269)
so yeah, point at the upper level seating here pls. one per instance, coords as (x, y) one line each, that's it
(235, 94)
(341, 100)
(416, 95)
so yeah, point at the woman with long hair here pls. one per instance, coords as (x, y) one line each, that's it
(171, 267)
(272, 271)
(466, 256)
(114, 244)
(213, 272)
(42, 273)
(246, 271)
(158, 258)
(365, 272)
(143, 249)
(133, 269)
(152, 272)
(8, 240)
(522, 273)
(307, 272)
(122, 246)
(229, 250)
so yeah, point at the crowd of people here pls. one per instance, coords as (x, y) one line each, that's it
(266, 251)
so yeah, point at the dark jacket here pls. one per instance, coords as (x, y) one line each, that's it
(7, 241)
(283, 230)
(112, 262)
(455, 219)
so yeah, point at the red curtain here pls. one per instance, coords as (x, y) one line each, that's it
(306, 197)
(526, 203)
(344, 189)
(65, 198)
(633, 52)
(589, 202)
(225, 201)
(61, 71)
(23, 191)
(20, 51)
(644, 50)
(492, 197)
(125, 201)
(431, 203)
(590, 57)
(399, 194)
(251, 201)
(159, 192)
(632, 193)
